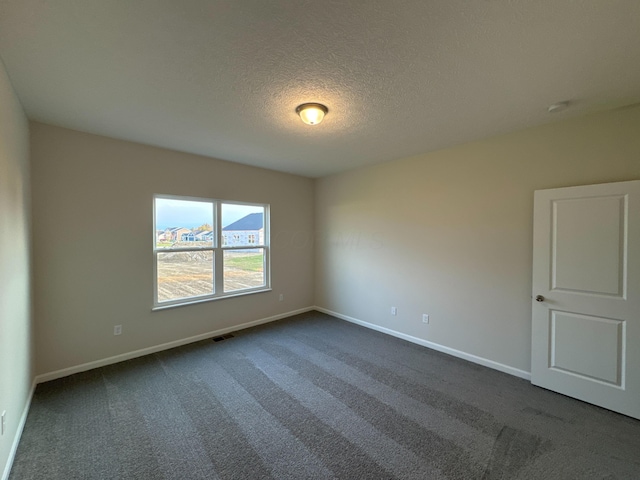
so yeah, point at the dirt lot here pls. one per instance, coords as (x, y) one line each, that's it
(189, 274)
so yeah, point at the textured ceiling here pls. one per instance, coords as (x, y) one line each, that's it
(222, 78)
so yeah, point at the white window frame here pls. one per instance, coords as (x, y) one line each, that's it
(218, 254)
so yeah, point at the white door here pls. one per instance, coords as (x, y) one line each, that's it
(586, 294)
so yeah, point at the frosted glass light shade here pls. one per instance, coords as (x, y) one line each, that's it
(312, 113)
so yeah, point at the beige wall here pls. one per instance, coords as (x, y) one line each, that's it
(93, 232)
(15, 296)
(450, 233)
(446, 233)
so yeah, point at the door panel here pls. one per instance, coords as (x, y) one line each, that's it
(586, 274)
(587, 346)
(584, 261)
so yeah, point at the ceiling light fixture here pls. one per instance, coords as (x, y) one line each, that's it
(312, 113)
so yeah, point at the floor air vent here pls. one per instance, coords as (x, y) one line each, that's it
(222, 337)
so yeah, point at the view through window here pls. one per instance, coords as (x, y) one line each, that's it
(208, 249)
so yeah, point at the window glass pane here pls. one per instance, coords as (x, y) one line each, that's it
(184, 275)
(183, 223)
(242, 225)
(243, 269)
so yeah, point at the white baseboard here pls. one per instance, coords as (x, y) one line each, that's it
(18, 435)
(434, 346)
(45, 377)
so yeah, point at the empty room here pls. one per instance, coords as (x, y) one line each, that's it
(319, 240)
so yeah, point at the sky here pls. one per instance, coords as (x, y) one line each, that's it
(192, 214)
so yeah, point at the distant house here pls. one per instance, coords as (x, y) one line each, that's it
(188, 237)
(176, 234)
(248, 230)
(204, 236)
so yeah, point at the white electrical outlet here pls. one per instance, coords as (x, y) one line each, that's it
(3, 422)
(425, 318)
(394, 311)
(117, 330)
(281, 297)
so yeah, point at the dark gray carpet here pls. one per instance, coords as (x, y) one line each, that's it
(315, 397)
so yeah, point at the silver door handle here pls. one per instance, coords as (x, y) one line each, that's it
(539, 298)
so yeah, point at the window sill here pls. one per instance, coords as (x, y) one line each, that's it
(210, 299)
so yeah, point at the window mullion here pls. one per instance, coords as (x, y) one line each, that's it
(218, 274)
(155, 274)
